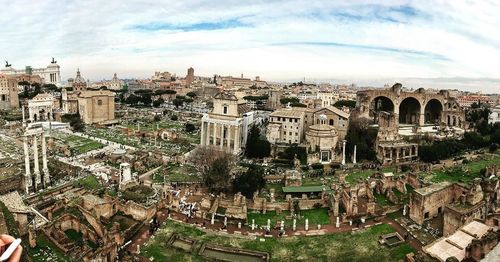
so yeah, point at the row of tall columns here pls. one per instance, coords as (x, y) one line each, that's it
(36, 165)
(232, 133)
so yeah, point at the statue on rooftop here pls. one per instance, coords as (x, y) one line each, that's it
(7, 64)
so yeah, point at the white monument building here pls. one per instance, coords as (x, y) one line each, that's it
(223, 127)
(49, 75)
(494, 115)
(40, 108)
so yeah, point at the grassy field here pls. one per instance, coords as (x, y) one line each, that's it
(177, 173)
(352, 177)
(89, 182)
(315, 217)
(46, 251)
(465, 173)
(357, 246)
(78, 145)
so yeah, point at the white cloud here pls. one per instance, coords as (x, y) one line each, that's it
(351, 40)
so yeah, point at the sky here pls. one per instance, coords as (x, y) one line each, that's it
(425, 43)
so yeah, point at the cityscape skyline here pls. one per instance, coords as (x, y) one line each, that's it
(279, 41)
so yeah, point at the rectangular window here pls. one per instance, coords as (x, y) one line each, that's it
(290, 133)
(225, 110)
(99, 102)
(296, 120)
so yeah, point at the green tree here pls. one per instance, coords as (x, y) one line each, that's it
(178, 102)
(287, 100)
(347, 103)
(189, 127)
(146, 99)
(250, 181)
(132, 100)
(158, 102)
(257, 146)
(294, 150)
(363, 137)
(219, 176)
(191, 94)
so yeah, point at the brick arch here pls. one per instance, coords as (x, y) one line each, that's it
(409, 110)
(433, 111)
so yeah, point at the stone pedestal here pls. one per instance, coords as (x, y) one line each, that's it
(307, 224)
(337, 223)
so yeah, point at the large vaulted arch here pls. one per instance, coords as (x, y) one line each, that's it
(433, 111)
(378, 104)
(409, 111)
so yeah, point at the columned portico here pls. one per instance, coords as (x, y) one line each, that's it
(41, 179)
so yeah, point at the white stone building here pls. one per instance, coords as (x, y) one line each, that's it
(494, 115)
(223, 128)
(49, 75)
(286, 126)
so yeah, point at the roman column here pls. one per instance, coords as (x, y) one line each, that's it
(35, 159)
(343, 152)
(354, 155)
(27, 174)
(237, 140)
(214, 131)
(24, 117)
(202, 133)
(228, 136)
(221, 144)
(45, 169)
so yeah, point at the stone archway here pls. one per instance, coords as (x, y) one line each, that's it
(378, 104)
(433, 111)
(409, 111)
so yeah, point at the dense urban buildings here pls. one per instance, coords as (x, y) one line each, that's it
(279, 131)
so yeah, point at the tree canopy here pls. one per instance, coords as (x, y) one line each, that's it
(363, 137)
(250, 181)
(257, 146)
(347, 103)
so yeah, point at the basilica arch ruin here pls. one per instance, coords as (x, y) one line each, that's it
(418, 107)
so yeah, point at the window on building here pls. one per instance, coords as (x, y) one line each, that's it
(290, 133)
(296, 120)
(3, 97)
(426, 215)
(290, 120)
(225, 110)
(99, 102)
(331, 122)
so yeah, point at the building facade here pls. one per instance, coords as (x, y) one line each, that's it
(335, 118)
(286, 126)
(8, 92)
(96, 107)
(494, 115)
(223, 127)
(189, 77)
(78, 83)
(49, 75)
